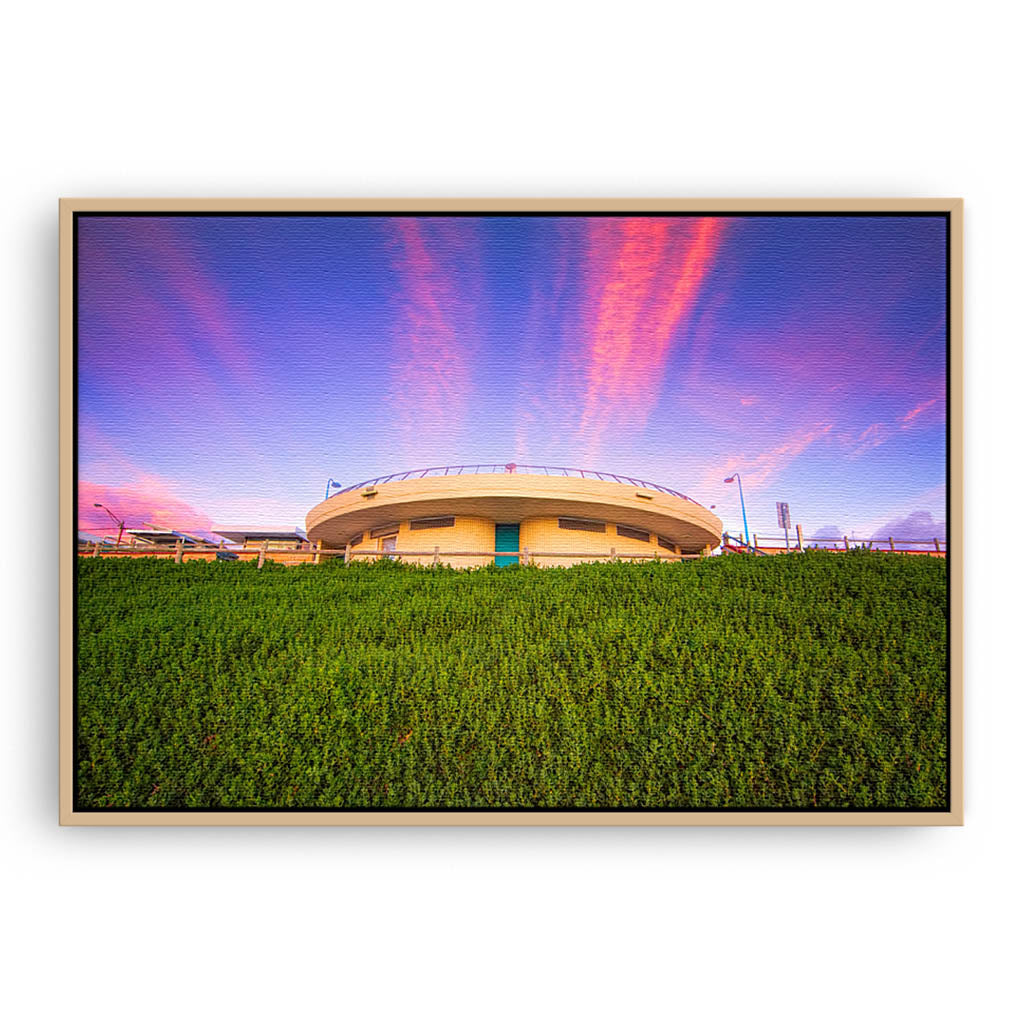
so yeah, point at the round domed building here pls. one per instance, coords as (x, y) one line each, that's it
(473, 515)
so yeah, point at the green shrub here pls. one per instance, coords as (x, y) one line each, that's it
(808, 681)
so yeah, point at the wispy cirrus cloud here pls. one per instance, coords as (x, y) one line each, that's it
(148, 301)
(870, 438)
(839, 362)
(764, 466)
(916, 411)
(162, 352)
(200, 297)
(879, 433)
(641, 278)
(435, 329)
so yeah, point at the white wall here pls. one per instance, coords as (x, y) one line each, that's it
(531, 99)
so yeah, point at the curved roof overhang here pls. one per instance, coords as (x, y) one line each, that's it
(507, 497)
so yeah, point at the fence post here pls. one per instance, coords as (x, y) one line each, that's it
(526, 556)
(437, 554)
(799, 537)
(178, 548)
(892, 546)
(262, 555)
(96, 550)
(614, 559)
(847, 543)
(755, 541)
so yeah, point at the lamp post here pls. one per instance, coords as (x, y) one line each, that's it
(327, 490)
(119, 522)
(746, 529)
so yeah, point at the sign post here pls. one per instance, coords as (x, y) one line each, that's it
(782, 507)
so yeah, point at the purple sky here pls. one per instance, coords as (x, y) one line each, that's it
(229, 365)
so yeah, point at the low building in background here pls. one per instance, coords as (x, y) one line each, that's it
(161, 538)
(276, 538)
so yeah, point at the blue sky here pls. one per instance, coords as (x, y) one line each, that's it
(229, 365)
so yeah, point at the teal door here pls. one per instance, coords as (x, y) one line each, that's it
(506, 538)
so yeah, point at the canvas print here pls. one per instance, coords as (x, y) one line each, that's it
(500, 511)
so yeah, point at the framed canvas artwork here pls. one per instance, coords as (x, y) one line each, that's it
(511, 512)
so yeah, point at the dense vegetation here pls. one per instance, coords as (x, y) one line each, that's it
(814, 680)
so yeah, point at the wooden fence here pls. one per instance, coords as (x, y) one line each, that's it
(313, 555)
(772, 545)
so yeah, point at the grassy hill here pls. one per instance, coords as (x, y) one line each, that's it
(808, 681)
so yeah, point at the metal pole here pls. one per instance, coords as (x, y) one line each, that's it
(746, 529)
(118, 522)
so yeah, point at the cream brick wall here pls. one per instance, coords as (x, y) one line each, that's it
(540, 534)
(468, 534)
(547, 535)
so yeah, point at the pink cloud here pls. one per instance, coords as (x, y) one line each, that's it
(806, 369)
(756, 470)
(125, 331)
(915, 412)
(643, 276)
(878, 433)
(150, 499)
(130, 336)
(432, 373)
(844, 354)
(871, 437)
(179, 261)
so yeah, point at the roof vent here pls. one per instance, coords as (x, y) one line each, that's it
(369, 492)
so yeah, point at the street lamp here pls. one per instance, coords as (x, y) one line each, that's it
(119, 522)
(327, 490)
(746, 529)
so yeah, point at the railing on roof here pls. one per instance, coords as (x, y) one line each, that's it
(512, 467)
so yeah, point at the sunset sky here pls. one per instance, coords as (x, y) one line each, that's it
(228, 366)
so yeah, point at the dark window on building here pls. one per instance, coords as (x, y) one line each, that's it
(384, 531)
(632, 531)
(590, 525)
(437, 523)
(667, 545)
